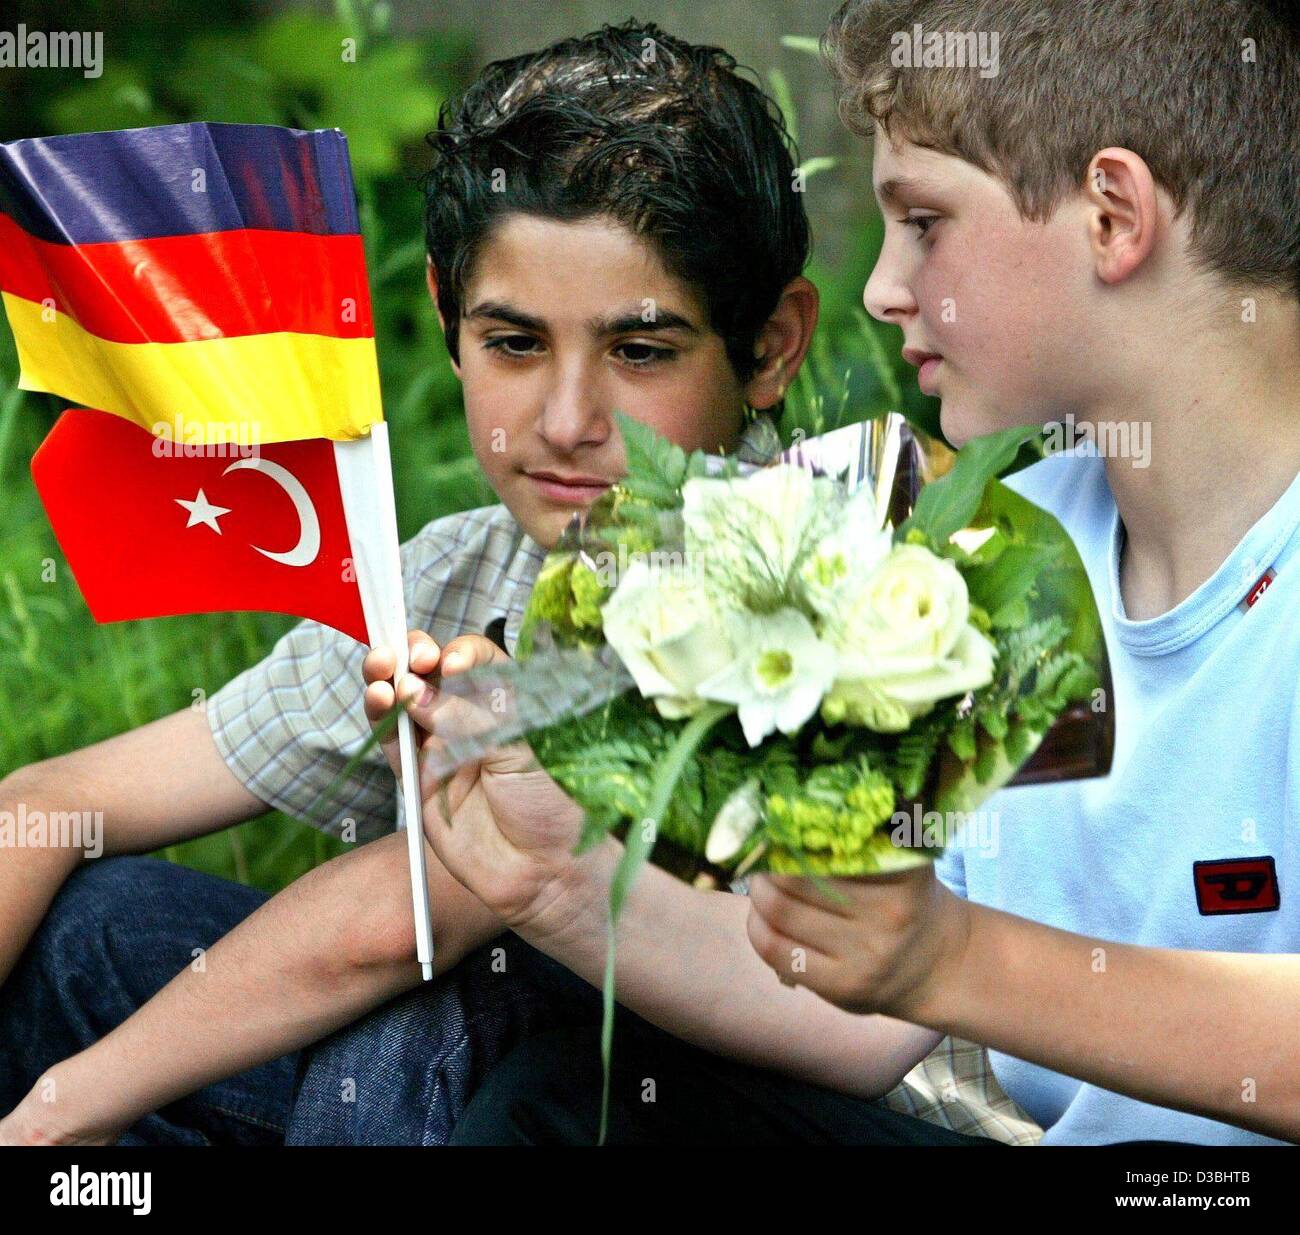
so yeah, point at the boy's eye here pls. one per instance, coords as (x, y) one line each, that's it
(922, 222)
(513, 344)
(642, 355)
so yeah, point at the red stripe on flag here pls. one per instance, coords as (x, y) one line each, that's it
(180, 289)
(149, 536)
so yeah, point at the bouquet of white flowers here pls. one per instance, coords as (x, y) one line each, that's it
(783, 667)
(800, 673)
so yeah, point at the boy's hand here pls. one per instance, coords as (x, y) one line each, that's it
(419, 685)
(513, 830)
(882, 943)
(378, 669)
(511, 835)
(500, 825)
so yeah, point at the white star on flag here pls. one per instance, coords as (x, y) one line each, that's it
(203, 511)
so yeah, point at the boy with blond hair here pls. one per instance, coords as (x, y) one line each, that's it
(1105, 229)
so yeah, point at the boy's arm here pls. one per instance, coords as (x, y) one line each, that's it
(1210, 1033)
(333, 945)
(156, 785)
(684, 963)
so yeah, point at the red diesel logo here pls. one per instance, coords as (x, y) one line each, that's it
(1236, 885)
(1261, 586)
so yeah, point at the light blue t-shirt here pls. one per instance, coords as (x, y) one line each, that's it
(1206, 769)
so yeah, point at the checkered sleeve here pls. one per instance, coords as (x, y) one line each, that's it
(954, 1087)
(290, 726)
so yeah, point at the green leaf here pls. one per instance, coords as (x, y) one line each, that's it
(780, 90)
(961, 738)
(950, 503)
(802, 42)
(1038, 572)
(656, 467)
(821, 163)
(121, 99)
(1012, 614)
(697, 464)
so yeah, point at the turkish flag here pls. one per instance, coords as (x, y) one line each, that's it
(150, 532)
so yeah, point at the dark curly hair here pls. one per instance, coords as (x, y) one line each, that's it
(666, 137)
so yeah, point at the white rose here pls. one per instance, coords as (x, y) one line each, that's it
(905, 642)
(664, 630)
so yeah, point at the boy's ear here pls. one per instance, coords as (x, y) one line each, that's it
(431, 278)
(1123, 212)
(783, 343)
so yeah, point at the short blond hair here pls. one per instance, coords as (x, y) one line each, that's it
(1207, 93)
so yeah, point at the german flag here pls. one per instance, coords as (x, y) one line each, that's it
(206, 281)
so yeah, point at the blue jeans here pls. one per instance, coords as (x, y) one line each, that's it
(121, 928)
(118, 931)
(404, 1074)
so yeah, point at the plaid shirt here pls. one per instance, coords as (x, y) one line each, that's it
(288, 726)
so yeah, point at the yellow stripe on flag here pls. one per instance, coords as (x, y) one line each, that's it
(254, 388)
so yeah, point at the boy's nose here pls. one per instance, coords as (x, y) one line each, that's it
(886, 297)
(575, 412)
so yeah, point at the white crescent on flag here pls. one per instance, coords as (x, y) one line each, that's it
(308, 546)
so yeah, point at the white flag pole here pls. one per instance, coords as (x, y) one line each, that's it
(366, 484)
